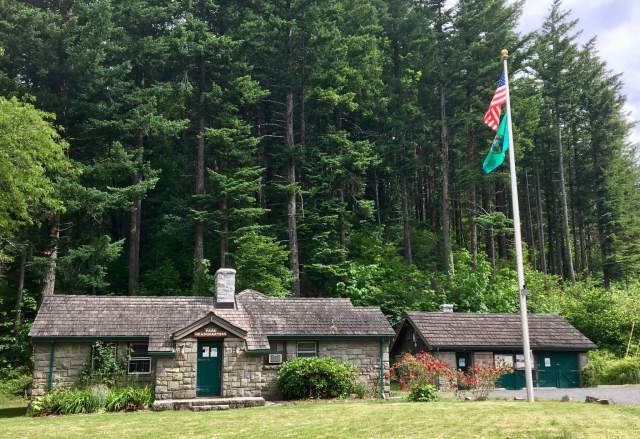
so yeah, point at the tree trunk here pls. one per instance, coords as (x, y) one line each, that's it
(377, 196)
(444, 139)
(200, 170)
(489, 234)
(568, 259)
(423, 198)
(49, 280)
(224, 234)
(473, 210)
(501, 206)
(341, 220)
(573, 189)
(543, 260)
(134, 241)
(19, 295)
(530, 234)
(474, 227)
(586, 264)
(135, 217)
(406, 223)
(605, 232)
(342, 226)
(291, 204)
(559, 255)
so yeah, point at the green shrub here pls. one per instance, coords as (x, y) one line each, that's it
(363, 391)
(129, 399)
(64, 402)
(97, 397)
(316, 378)
(15, 382)
(109, 369)
(46, 404)
(423, 393)
(91, 399)
(606, 368)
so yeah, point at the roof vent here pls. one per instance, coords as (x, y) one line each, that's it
(225, 288)
(446, 307)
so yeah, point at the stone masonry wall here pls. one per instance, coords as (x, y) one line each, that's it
(450, 359)
(583, 361)
(245, 374)
(248, 375)
(365, 354)
(69, 358)
(176, 375)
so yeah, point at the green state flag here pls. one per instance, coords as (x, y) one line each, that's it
(499, 148)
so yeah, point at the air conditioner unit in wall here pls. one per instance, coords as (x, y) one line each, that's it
(275, 358)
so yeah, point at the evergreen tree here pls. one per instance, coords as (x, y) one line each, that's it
(557, 52)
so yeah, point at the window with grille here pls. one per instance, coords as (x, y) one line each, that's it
(307, 349)
(139, 360)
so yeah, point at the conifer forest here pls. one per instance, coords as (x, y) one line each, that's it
(320, 148)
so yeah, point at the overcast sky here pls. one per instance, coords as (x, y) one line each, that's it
(616, 24)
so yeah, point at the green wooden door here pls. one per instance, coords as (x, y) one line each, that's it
(558, 369)
(209, 371)
(462, 363)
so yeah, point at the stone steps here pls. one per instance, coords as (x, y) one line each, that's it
(207, 404)
(208, 408)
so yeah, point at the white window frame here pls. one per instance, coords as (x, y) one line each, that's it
(306, 353)
(129, 372)
(274, 347)
(132, 359)
(502, 357)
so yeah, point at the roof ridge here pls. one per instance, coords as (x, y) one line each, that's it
(309, 299)
(123, 296)
(473, 313)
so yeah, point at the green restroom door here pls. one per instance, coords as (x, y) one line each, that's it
(209, 368)
(462, 363)
(558, 369)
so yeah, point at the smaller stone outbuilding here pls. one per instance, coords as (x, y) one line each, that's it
(466, 339)
(226, 345)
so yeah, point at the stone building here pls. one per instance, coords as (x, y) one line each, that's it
(226, 345)
(463, 340)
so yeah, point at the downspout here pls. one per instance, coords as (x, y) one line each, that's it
(52, 361)
(382, 367)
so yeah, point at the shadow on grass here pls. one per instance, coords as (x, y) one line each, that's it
(13, 412)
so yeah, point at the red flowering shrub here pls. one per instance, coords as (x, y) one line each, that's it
(418, 370)
(479, 380)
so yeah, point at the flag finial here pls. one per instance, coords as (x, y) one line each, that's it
(504, 53)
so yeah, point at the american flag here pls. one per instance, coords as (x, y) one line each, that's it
(492, 116)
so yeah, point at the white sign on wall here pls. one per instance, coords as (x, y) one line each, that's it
(519, 361)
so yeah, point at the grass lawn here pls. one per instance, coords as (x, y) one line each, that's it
(351, 419)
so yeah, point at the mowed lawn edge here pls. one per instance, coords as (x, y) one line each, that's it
(345, 419)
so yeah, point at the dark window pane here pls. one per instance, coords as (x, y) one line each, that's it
(278, 347)
(139, 350)
(140, 365)
(307, 349)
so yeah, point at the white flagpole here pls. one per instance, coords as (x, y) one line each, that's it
(518, 240)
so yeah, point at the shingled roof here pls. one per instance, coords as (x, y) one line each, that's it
(448, 330)
(158, 318)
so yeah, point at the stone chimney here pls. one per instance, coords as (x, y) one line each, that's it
(225, 288)
(446, 307)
